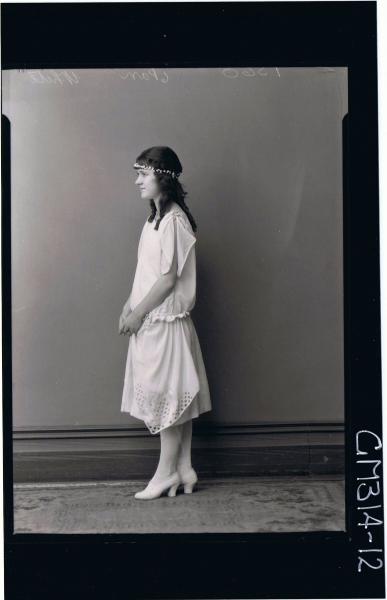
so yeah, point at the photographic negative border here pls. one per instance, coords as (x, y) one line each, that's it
(235, 34)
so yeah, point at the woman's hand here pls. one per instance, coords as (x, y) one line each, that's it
(131, 323)
(125, 313)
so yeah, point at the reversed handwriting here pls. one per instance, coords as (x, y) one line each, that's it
(148, 75)
(234, 72)
(53, 77)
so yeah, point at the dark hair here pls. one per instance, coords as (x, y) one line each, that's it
(171, 190)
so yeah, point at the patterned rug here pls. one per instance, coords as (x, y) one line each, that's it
(232, 505)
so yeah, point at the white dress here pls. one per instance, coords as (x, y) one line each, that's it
(165, 379)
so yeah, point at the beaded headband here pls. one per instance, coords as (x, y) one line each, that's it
(172, 173)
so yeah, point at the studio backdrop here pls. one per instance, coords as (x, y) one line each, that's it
(261, 151)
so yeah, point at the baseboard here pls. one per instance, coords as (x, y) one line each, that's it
(116, 453)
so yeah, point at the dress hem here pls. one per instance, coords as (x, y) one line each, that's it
(175, 421)
(182, 423)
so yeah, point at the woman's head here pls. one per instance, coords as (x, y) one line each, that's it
(158, 170)
(161, 159)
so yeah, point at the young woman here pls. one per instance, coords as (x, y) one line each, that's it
(165, 379)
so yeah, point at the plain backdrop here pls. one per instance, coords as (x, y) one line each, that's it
(262, 161)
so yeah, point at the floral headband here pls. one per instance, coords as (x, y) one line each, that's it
(172, 173)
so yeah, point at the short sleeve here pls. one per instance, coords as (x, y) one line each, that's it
(184, 242)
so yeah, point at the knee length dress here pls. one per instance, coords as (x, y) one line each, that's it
(165, 379)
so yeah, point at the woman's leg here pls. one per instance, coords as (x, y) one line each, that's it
(184, 459)
(169, 451)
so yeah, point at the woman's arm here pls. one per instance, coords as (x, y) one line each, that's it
(126, 310)
(156, 295)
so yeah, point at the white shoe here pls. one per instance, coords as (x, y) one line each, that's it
(155, 490)
(188, 478)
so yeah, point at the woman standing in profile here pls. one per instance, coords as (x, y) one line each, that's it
(165, 379)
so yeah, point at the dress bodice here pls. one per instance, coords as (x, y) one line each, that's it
(154, 258)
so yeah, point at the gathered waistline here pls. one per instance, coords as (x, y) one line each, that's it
(152, 318)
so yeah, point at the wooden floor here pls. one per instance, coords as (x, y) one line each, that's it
(234, 505)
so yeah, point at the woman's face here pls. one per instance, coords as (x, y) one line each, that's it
(148, 184)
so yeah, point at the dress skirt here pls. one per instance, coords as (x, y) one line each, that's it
(165, 379)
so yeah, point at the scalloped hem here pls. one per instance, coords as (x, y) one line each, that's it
(185, 416)
(181, 420)
(192, 411)
(166, 417)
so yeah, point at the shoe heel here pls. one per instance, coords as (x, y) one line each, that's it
(188, 488)
(173, 489)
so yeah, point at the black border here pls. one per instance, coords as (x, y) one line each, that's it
(270, 34)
